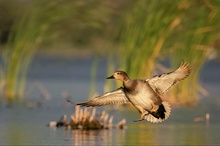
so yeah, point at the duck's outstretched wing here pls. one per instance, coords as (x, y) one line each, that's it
(162, 83)
(113, 97)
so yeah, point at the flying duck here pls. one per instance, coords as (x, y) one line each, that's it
(144, 94)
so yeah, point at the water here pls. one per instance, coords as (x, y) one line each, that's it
(21, 125)
(28, 127)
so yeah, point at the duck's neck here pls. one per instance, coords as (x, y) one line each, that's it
(128, 84)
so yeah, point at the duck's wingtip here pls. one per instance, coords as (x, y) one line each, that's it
(78, 103)
(70, 101)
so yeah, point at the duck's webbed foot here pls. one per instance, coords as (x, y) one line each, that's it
(138, 120)
(141, 118)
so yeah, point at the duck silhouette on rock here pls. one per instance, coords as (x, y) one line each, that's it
(144, 94)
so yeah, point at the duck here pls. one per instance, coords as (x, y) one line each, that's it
(144, 94)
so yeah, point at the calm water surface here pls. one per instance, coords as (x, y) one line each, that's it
(28, 126)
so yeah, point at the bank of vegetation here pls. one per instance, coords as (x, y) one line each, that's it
(140, 34)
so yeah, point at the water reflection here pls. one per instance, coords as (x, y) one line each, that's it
(174, 134)
(135, 134)
(148, 134)
(97, 137)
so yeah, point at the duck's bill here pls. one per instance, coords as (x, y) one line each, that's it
(111, 77)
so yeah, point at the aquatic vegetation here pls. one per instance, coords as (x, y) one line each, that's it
(43, 21)
(145, 31)
(151, 32)
(84, 119)
(27, 35)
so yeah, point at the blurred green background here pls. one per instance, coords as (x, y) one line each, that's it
(140, 35)
(66, 48)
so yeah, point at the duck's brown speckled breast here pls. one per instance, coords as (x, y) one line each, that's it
(141, 95)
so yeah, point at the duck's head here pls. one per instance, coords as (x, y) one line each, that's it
(119, 75)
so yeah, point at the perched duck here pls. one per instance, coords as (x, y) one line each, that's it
(144, 94)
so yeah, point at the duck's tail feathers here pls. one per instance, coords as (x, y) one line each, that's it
(161, 114)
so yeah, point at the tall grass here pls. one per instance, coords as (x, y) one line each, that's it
(26, 36)
(43, 21)
(200, 31)
(144, 32)
(153, 30)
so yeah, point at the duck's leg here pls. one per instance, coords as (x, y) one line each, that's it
(153, 109)
(141, 119)
(143, 114)
(138, 120)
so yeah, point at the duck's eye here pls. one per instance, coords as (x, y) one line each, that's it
(118, 73)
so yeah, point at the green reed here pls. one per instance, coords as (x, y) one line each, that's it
(144, 31)
(94, 68)
(45, 21)
(27, 35)
(178, 30)
(194, 45)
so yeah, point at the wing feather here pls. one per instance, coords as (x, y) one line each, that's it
(113, 97)
(162, 83)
